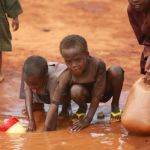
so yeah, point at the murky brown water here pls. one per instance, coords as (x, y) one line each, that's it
(109, 137)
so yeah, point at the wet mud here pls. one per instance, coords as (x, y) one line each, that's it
(44, 23)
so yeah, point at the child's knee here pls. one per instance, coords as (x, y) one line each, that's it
(116, 72)
(78, 92)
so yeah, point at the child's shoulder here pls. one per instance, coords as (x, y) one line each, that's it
(97, 62)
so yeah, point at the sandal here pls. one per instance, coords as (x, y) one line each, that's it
(76, 116)
(116, 117)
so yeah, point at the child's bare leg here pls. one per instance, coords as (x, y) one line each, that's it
(1, 74)
(115, 78)
(79, 95)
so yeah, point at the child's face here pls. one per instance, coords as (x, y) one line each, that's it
(140, 5)
(35, 83)
(76, 60)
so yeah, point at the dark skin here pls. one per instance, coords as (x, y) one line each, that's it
(37, 84)
(15, 27)
(76, 60)
(140, 5)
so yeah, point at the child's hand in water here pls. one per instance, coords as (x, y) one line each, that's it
(80, 124)
(31, 126)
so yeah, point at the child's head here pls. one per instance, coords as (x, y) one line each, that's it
(74, 50)
(140, 5)
(35, 72)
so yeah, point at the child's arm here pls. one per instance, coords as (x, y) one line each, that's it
(28, 102)
(51, 118)
(97, 94)
(62, 86)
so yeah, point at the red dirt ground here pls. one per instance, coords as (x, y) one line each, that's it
(42, 26)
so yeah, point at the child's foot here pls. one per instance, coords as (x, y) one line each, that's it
(115, 116)
(80, 113)
(35, 107)
(1, 77)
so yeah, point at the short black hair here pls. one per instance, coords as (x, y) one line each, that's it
(35, 66)
(73, 41)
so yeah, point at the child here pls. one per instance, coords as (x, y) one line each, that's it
(89, 81)
(12, 9)
(139, 17)
(41, 81)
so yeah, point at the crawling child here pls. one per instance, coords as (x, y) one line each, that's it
(41, 86)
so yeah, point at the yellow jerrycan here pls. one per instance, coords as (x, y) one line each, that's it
(136, 115)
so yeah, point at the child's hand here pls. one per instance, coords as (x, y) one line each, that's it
(80, 124)
(15, 24)
(31, 126)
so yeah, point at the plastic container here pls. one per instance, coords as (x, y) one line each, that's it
(136, 115)
(12, 126)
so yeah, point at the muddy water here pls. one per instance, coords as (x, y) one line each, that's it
(100, 135)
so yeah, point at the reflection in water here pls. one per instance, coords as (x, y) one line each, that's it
(122, 139)
(94, 135)
(11, 141)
